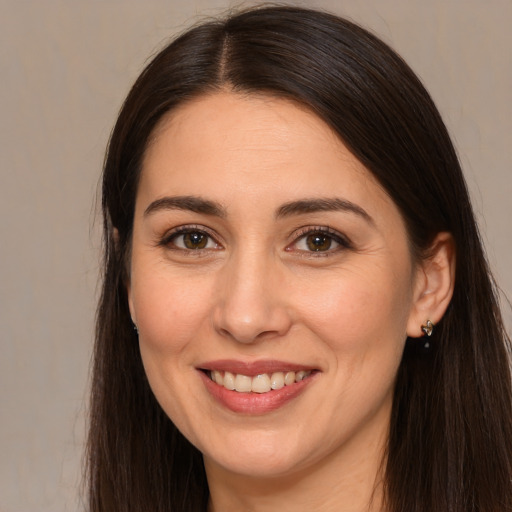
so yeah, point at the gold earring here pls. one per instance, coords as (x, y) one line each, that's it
(428, 328)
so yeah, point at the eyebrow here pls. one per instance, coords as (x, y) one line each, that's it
(188, 203)
(322, 205)
(303, 206)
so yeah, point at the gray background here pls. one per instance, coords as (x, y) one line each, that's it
(65, 68)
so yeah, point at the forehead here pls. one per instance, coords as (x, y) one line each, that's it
(252, 147)
(247, 123)
(231, 126)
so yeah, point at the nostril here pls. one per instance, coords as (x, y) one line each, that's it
(249, 309)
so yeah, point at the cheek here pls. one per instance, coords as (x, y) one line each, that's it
(171, 315)
(170, 312)
(359, 310)
(361, 322)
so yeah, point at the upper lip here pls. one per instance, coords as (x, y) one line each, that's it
(252, 368)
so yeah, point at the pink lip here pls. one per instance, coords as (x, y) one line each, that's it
(253, 368)
(254, 403)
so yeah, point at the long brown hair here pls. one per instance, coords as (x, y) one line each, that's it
(450, 443)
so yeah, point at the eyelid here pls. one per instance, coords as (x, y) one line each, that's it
(298, 234)
(166, 239)
(338, 237)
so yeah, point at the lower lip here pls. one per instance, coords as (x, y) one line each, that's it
(255, 403)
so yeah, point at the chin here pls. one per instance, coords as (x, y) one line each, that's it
(263, 455)
(254, 465)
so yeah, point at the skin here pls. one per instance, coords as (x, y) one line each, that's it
(257, 291)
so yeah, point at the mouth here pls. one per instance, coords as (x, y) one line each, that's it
(260, 383)
(257, 387)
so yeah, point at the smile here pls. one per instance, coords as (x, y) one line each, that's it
(261, 383)
(257, 387)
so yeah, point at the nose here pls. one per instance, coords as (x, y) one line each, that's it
(251, 305)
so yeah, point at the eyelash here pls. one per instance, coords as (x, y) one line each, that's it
(169, 240)
(302, 234)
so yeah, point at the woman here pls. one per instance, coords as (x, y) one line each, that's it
(296, 308)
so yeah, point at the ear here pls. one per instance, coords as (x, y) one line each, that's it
(127, 279)
(433, 288)
(129, 294)
(130, 302)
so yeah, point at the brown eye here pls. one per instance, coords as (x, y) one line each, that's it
(195, 240)
(319, 242)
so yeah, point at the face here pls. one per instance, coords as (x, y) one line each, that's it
(271, 283)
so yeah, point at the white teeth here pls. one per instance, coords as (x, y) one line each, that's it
(289, 378)
(262, 383)
(217, 377)
(277, 380)
(229, 381)
(243, 383)
(300, 375)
